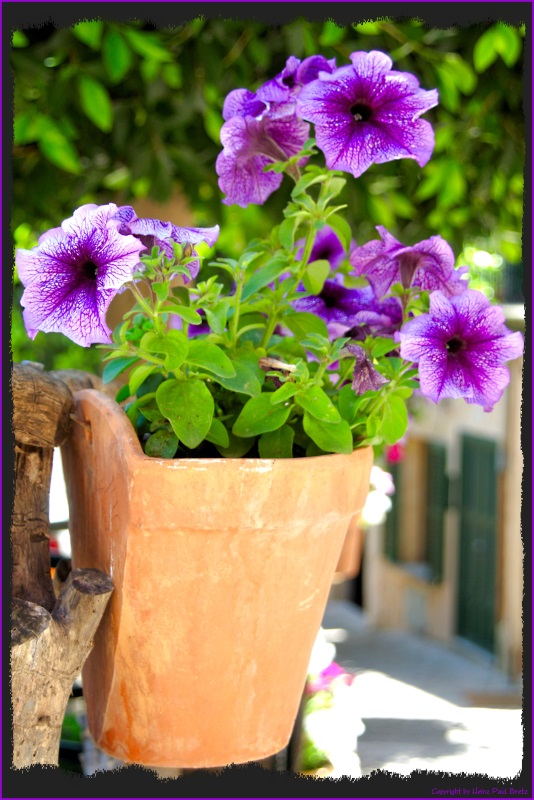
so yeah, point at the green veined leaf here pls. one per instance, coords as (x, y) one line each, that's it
(162, 444)
(244, 380)
(277, 444)
(114, 368)
(263, 276)
(394, 420)
(284, 392)
(237, 448)
(258, 415)
(340, 226)
(330, 437)
(139, 375)
(96, 103)
(315, 275)
(302, 323)
(189, 407)
(317, 403)
(210, 357)
(218, 434)
(174, 345)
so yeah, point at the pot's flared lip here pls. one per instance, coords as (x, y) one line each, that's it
(129, 440)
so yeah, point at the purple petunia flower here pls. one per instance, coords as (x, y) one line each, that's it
(327, 246)
(155, 232)
(461, 346)
(345, 310)
(249, 145)
(366, 113)
(428, 264)
(366, 377)
(296, 73)
(74, 272)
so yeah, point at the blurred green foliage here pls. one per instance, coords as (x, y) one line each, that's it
(110, 111)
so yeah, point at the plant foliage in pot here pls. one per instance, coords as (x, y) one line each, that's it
(218, 488)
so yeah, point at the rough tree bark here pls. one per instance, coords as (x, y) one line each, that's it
(49, 640)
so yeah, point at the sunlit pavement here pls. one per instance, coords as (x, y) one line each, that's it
(426, 706)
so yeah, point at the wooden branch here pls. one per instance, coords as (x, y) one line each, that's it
(41, 420)
(50, 639)
(47, 653)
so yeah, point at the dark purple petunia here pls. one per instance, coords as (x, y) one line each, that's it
(155, 232)
(366, 377)
(296, 74)
(461, 346)
(367, 113)
(74, 272)
(327, 246)
(249, 145)
(349, 310)
(428, 264)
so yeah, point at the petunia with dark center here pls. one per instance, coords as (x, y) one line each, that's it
(455, 345)
(361, 112)
(89, 269)
(289, 81)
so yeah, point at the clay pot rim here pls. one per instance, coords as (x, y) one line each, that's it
(131, 442)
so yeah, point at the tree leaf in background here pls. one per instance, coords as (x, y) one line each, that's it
(90, 33)
(116, 55)
(96, 102)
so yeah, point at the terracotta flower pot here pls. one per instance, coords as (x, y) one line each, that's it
(350, 559)
(222, 569)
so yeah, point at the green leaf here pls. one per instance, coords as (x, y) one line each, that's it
(277, 444)
(258, 415)
(307, 180)
(347, 403)
(57, 148)
(115, 367)
(191, 316)
(381, 345)
(317, 403)
(508, 43)
(19, 39)
(315, 275)
(116, 55)
(218, 434)
(394, 420)
(123, 393)
(139, 375)
(284, 392)
(189, 407)
(340, 226)
(96, 103)
(161, 290)
(174, 345)
(302, 322)
(330, 437)
(216, 316)
(237, 448)
(331, 34)
(263, 276)
(210, 357)
(213, 123)
(244, 380)
(286, 232)
(90, 33)
(162, 444)
(148, 45)
(485, 50)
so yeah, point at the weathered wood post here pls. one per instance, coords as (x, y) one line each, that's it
(50, 639)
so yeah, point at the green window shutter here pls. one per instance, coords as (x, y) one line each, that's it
(392, 525)
(437, 491)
